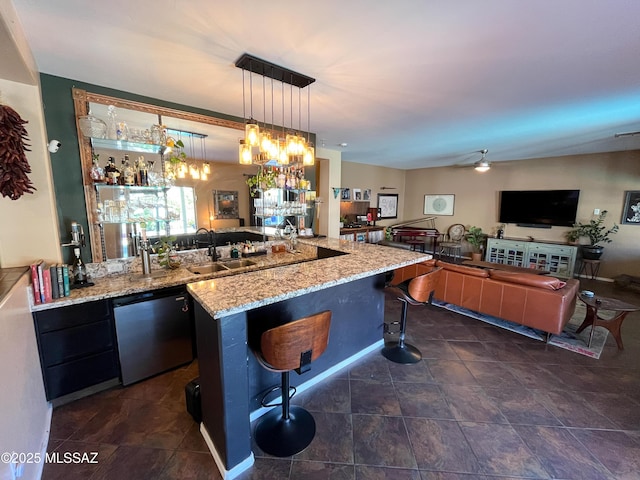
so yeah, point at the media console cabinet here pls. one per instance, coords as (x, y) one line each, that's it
(558, 258)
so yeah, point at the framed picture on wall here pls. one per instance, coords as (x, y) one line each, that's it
(631, 210)
(366, 194)
(388, 205)
(357, 194)
(345, 194)
(438, 204)
(225, 204)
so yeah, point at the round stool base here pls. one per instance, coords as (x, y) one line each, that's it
(405, 354)
(283, 438)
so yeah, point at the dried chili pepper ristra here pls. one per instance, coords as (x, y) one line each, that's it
(14, 166)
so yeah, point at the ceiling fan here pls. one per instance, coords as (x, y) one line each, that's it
(482, 165)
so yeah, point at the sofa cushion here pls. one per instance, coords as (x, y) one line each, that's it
(529, 279)
(473, 271)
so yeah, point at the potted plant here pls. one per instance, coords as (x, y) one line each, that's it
(264, 180)
(476, 239)
(597, 234)
(167, 257)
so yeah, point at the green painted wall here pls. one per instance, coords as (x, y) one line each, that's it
(60, 123)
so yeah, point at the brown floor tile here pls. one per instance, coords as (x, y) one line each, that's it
(419, 400)
(450, 372)
(374, 397)
(64, 466)
(519, 406)
(617, 451)
(473, 351)
(333, 441)
(372, 367)
(322, 471)
(133, 462)
(561, 455)
(492, 374)
(411, 373)
(381, 441)
(572, 409)
(365, 472)
(267, 469)
(470, 403)
(193, 440)
(333, 395)
(191, 465)
(500, 450)
(440, 445)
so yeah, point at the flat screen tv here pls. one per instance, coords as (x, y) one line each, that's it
(539, 208)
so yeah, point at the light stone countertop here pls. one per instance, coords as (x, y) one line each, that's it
(275, 277)
(229, 295)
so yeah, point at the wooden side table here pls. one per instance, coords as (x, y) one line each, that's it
(620, 309)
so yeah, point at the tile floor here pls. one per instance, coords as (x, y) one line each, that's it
(483, 404)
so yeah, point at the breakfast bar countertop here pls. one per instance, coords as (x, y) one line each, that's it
(274, 277)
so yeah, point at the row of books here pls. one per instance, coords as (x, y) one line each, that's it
(49, 281)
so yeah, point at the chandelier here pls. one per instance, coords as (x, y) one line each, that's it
(264, 143)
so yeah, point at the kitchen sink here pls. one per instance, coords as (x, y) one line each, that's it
(237, 263)
(205, 269)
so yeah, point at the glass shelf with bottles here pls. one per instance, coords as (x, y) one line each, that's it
(279, 202)
(127, 146)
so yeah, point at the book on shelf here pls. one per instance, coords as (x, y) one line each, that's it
(35, 282)
(41, 280)
(53, 276)
(65, 279)
(46, 280)
(59, 280)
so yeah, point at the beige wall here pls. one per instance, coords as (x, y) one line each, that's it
(601, 179)
(356, 175)
(29, 225)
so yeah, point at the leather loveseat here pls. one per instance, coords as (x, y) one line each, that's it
(538, 301)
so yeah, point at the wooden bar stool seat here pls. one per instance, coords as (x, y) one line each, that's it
(292, 346)
(415, 291)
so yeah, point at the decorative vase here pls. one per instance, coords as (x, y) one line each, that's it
(592, 252)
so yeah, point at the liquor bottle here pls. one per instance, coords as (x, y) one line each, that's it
(129, 173)
(79, 269)
(111, 171)
(143, 172)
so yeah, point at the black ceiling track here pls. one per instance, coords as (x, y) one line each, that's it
(271, 70)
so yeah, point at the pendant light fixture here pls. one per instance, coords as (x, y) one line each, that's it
(274, 147)
(482, 165)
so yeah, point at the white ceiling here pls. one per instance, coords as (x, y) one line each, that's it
(406, 84)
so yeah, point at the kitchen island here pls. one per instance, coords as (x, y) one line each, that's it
(231, 313)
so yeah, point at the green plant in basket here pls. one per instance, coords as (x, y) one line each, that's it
(476, 238)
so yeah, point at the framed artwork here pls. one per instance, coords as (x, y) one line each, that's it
(225, 203)
(631, 210)
(438, 204)
(388, 205)
(366, 194)
(357, 194)
(345, 194)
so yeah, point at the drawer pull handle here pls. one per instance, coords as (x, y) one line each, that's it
(179, 299)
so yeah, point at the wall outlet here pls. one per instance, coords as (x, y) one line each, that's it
(596, 211)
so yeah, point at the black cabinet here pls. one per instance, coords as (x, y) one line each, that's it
(77, 347)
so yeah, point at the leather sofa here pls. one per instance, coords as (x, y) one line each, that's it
(537, 301)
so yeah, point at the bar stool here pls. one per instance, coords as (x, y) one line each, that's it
(415, 291)
(292, 346)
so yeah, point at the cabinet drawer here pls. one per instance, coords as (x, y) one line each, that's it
(66, 317)
(61, 346)
(73, 376)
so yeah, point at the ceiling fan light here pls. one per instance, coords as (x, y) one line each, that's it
(482, 166)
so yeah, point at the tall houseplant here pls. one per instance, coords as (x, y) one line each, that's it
(597, 233)
(476, 239)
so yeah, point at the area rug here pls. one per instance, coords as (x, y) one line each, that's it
(568, 339)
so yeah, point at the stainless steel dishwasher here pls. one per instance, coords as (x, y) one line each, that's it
(154, 333)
